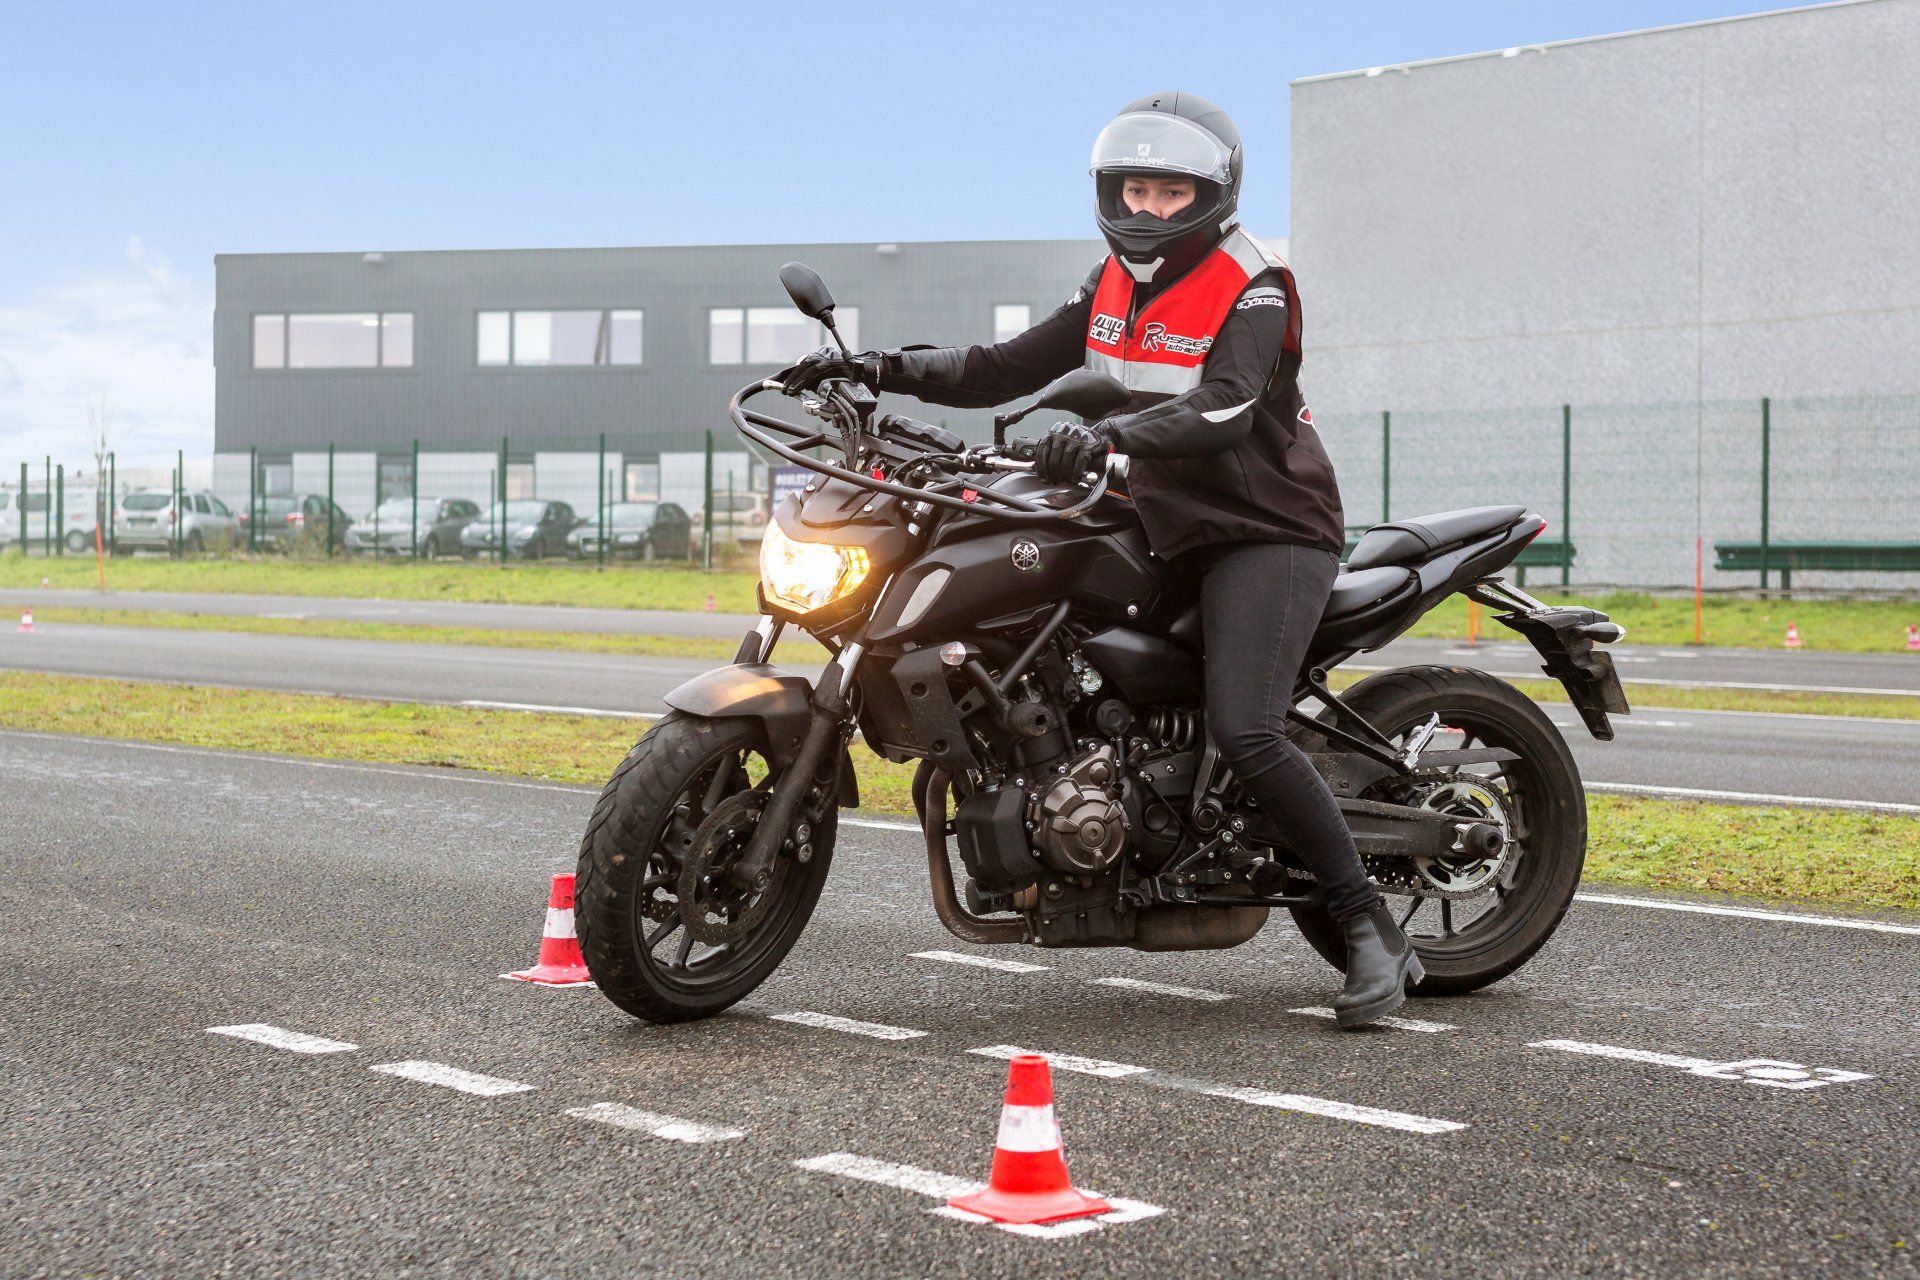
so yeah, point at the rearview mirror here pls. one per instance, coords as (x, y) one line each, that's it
(1086, 392)
(808, 291)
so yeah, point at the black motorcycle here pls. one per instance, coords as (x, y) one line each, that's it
(1021, 641)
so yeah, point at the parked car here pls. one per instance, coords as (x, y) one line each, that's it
(146, 518)
(636, 530)
(535, 529)
(388, 529)
(741, 517)
(294, 521)
(76, 532)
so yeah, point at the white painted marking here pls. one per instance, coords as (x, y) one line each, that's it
(1400, 1120)
(672, 1128)
(827, 1022)
(1161, 989)
(1747, 913)
(1751, 797)
(452, 1078)
(1537, 674)
(281, 1038)
(1066, 1062)
(487, 705)
(1404, 1024)
(941, 1186)
(1767, 1073)
(879, 826)
(980, 962)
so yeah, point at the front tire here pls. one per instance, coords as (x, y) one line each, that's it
(1547, 812)
(626, 893)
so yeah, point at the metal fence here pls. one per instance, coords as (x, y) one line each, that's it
(1817, 493)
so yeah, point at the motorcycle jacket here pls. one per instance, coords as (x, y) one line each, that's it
(1223, 443)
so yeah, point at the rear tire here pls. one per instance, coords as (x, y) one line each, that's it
(625, 901)
(1549, 808)
(431, 548)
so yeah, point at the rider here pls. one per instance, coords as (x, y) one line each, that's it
(1202, 324)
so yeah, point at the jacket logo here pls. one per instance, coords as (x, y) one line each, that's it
(1263, 300)
(1156, 338)
(1305, 416)
(1107, 329)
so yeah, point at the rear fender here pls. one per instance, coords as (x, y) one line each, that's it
(781, 701)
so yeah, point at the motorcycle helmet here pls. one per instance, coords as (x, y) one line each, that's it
(1164, 135)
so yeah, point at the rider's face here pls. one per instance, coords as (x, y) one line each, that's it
(1161, 197)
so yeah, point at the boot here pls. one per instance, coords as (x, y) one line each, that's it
(1380, 964)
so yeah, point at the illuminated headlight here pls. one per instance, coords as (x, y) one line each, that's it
(803, 576)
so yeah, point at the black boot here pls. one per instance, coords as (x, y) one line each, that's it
(1380, 964)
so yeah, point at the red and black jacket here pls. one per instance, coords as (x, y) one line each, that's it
(1225, 447)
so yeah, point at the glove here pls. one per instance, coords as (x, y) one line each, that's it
(1069, 451)
(830, 362)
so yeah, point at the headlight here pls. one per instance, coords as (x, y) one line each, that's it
(803, 576)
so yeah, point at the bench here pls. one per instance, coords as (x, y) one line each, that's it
(1839, 556)
(1538, 554)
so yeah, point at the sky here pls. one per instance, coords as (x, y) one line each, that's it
(139, 140)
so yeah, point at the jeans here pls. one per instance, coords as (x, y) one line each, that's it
(1259, 605)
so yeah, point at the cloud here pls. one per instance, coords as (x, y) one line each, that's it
(137, 333)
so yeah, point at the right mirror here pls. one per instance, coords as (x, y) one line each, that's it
(808, 290)
(1086, 392)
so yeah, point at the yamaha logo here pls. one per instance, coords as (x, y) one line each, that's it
(1025, 555)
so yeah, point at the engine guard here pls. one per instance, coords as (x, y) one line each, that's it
(780, 700)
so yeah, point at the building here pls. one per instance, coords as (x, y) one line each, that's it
(1657, 229)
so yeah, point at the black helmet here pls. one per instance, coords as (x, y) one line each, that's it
(1163, 135)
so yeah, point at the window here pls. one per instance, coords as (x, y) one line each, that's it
(557, 339)
(771, 335)
(1010, 320)
(354, 340)
(219, 508)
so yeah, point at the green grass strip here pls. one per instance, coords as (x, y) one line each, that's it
(1829, 857)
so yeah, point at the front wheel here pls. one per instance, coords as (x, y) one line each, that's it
(664, 932)
(1473, 923)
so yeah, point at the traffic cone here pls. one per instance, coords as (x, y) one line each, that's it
(1793, 637)
(26, 618)
(560, 964)
(709, 602)
(1029, 1179)
(1913, 639)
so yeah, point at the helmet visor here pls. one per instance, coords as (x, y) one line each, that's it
(1154, 142)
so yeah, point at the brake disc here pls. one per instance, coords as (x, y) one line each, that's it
(715, 910)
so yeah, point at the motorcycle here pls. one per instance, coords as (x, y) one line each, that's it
(1021, 641)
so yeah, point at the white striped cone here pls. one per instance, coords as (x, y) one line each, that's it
(1029, 1179)
(26, 618)
(560, 963)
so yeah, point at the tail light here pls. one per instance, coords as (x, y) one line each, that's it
(296, 518)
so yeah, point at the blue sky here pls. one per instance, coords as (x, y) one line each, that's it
(136, 141)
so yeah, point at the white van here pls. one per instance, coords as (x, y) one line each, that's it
(76, 533)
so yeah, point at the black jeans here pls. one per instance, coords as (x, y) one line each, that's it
(1259, 605)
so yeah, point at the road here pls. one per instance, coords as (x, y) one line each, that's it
(1831, 758)
(1600, 1112)
(1891, 672)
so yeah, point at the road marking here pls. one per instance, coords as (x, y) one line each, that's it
(452, 1078)
(1768, 1073)
(942, 1186)
(879, 826)
(1067, 1062)
(827, 1022)
(1404, 1024)
(486, 705)
(980, 962)
(1377, 1116)
(1749, 913)
(281, 1038)
(672, 1128)
(1752, 797)
(1161, 989)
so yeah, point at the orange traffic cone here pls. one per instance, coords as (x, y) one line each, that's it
(1793, 637)
(560, 964)
(709, 602)
(1913, 639)
(1029, 1179)
(26, 618)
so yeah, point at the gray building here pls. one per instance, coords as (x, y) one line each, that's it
(1659, 229)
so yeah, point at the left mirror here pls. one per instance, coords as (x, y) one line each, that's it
(808, 291)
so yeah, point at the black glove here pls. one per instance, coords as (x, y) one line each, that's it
(830, 362)
(1069, 451)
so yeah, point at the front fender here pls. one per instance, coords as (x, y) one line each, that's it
(781, 701)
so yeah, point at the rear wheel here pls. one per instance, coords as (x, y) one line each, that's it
(431, 548)
(664, 933)
(1474, 922)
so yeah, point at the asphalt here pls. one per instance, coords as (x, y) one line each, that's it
(154, 893)
(1728, 754)
(1893, 672)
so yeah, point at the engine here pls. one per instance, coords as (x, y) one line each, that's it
(1075, 819)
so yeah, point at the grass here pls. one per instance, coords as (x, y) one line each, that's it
(798, 648)
(1832, 857)
(1855, 626)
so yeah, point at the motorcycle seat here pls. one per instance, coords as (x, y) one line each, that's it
(1357, 589)
(1406, 542)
